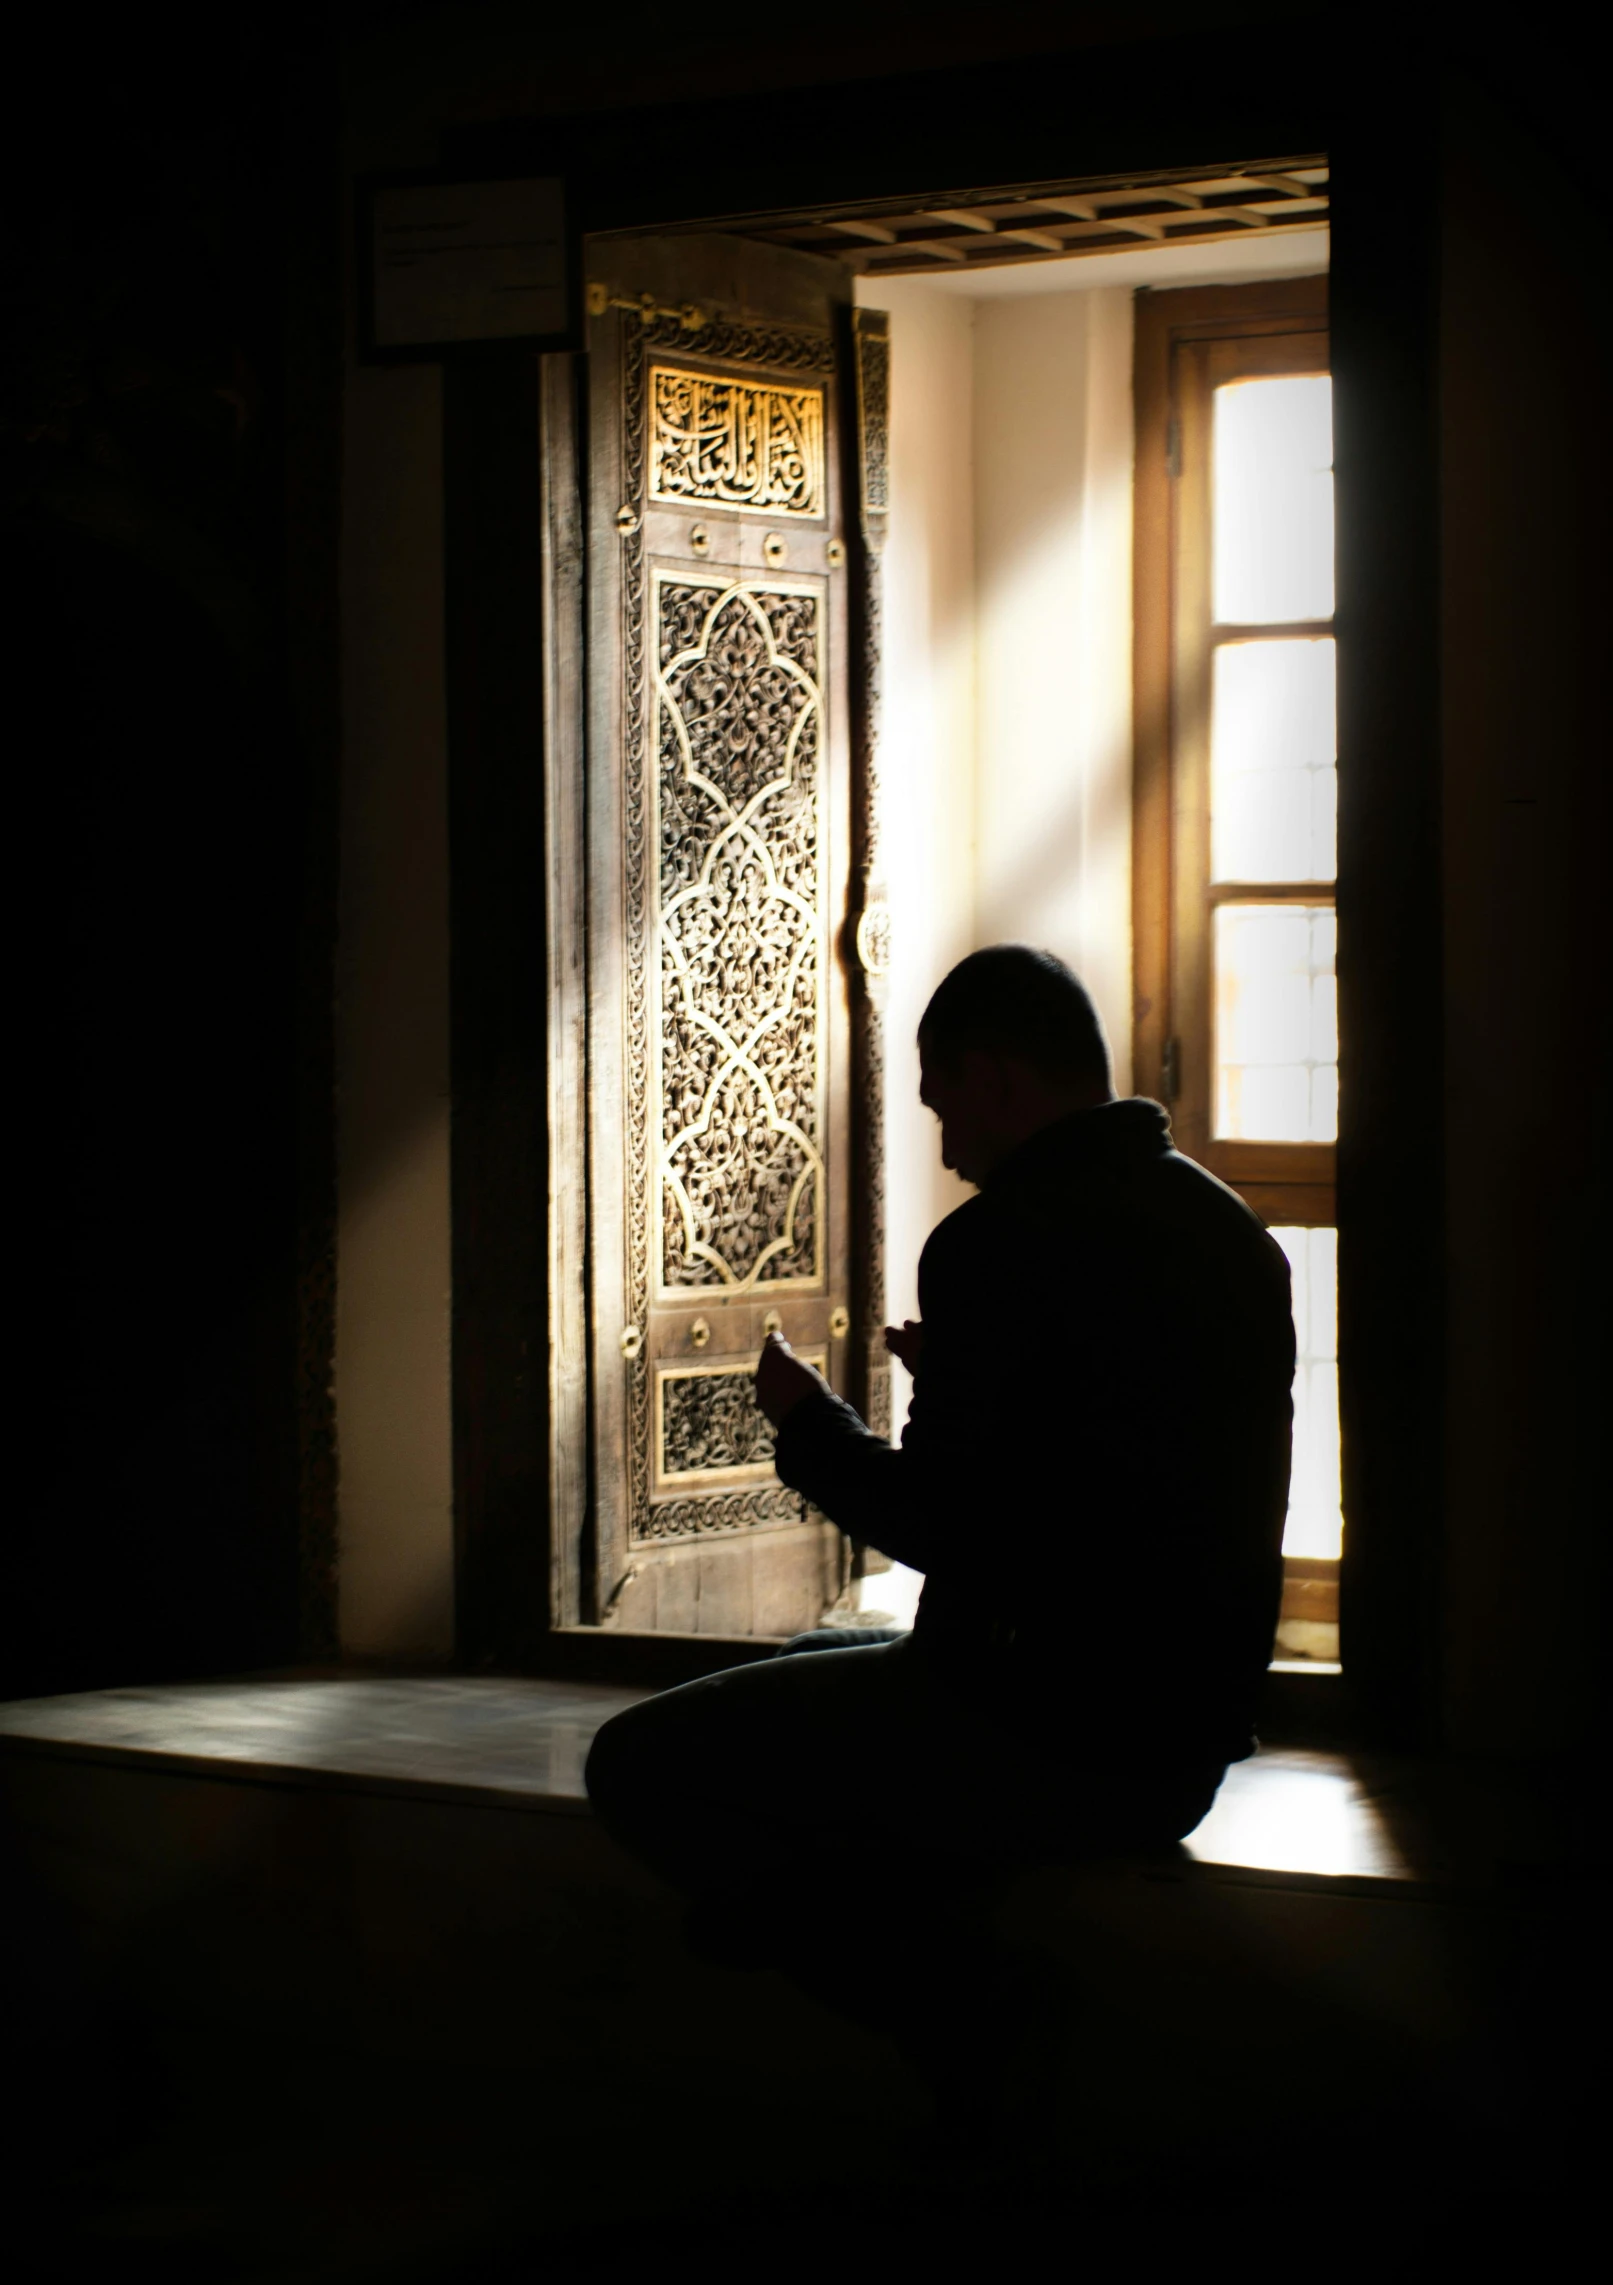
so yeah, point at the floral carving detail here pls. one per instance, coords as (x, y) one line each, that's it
(740, 934)
(711, 1421)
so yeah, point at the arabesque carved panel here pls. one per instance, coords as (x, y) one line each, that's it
(739, 444)
(711, 1424)
(708, 1423)
(739, 931)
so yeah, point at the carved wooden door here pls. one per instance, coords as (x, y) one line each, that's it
(720, 870)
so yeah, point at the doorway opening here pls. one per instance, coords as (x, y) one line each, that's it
(945, 653)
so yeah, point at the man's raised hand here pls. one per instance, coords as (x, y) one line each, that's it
(782, 1381)
(905, 1343)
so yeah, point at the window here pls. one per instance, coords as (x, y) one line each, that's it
(1236, 806)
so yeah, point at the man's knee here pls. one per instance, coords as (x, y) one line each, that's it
(640, 1757)
(617, 1767)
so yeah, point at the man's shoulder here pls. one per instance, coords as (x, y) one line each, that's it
(1179, 1188)
(958, 1241)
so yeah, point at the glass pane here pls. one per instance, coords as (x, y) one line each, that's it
(1273, 512)
(1315, 1524)
(1273, 779)
(1276, 1023)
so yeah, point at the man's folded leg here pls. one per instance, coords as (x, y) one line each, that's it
(747, 1780)
(723, 1783)
(824, 1811)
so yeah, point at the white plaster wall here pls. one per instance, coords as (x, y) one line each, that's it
(1008, 643)
(392, 1306)
(1053, 452)
(1006, 746)
(927, 746)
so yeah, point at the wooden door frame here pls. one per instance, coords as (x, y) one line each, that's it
(1001, 123)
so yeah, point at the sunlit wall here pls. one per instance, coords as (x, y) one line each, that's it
(1006, 754)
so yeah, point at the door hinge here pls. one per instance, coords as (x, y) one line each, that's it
(1170, 1071)
(1173, 446)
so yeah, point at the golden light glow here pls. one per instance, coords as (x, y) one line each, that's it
(1276, 1023)
(1273, 500)
(1315, 1519)
(1273, 774)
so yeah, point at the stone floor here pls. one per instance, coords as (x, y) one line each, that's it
(337, 1980)
(1287, 1810)
(448, 1739)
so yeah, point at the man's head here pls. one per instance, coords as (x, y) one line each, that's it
(1009, 1043)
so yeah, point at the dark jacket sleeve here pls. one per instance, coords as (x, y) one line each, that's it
(906, 1501)
(854, 1477)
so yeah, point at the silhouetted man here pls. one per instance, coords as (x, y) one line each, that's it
(1093, 1480)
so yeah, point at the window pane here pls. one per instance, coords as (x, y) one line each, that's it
(1276, 1026)
(1273, 511)
(1273, 780)
(1315, 1524)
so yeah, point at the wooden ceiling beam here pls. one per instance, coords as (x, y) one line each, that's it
(1083, 219)
(1044, 238)
(874, 230)
(1040, 226)
(1291, 184)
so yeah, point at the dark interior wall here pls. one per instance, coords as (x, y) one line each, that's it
(166, 415)
(1524, 385)
(1382, 293)
(508, 59)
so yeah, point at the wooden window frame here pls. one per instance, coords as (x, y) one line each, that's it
(1188, 342)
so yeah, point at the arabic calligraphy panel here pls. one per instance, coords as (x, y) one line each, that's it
(737, 444)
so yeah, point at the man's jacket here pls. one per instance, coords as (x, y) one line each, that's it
(1094, 1473)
